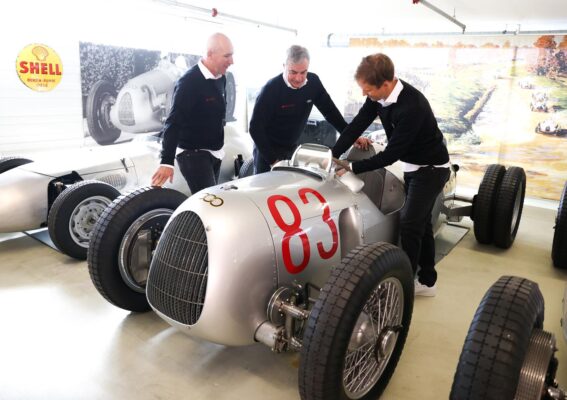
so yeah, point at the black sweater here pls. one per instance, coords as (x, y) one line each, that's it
(280, 115)
(197, 116)
(411, 128)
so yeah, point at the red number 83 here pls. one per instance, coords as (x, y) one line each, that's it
(290, 230)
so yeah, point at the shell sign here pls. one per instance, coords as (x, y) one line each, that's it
(39, 67)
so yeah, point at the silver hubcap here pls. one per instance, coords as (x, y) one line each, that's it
(137, 247)
(374, 338)
(84, 217)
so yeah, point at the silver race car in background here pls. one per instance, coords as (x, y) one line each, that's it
(296, 258)
(68, 190)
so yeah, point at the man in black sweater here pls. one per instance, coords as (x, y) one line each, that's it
(415, 139)
(197, 118)
(282, 109)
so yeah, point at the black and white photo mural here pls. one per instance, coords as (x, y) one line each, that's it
(129, 91)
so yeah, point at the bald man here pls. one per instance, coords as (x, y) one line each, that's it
(196, 121)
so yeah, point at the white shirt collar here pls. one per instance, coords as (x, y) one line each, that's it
(205, 71)
(393, 97)
(289, 85)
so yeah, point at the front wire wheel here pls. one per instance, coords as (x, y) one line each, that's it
(372, 342)
(357, 328)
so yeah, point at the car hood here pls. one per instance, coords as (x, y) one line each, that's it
(81, 160)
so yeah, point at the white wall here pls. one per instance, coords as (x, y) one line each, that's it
(31, 120)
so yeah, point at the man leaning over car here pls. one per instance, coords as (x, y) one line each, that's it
(282, 108)
(197, 118)
(413, 138)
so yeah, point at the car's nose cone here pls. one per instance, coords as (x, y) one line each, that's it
(23, 200)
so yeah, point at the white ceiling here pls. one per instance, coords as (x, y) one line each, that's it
(322, 17)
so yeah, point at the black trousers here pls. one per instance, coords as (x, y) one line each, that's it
(416, 231)
(200, 168)
(262, 165)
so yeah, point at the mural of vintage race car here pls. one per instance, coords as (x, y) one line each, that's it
(68, 190)
(507, 354)
(548, 126)
(539, 105)
(539, 101)
(297, 258)
(142, 104)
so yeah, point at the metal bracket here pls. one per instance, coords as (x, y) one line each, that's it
(442, 13)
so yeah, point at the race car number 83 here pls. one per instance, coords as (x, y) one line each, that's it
(293, 229)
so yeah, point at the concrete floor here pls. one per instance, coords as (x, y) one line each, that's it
(59, 339)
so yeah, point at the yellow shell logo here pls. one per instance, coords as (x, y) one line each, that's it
(39, 67)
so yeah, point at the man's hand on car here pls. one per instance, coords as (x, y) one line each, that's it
(363, 143)
(341, 166)
(162, 175)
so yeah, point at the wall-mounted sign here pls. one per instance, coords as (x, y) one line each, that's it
(39, 67)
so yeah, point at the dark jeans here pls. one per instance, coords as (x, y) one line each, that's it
(262, 165)
(422, 188)
(200, 169)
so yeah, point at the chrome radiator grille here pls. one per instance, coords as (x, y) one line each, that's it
(126, 111)
(177, 281)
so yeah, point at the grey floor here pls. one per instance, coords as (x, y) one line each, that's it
(59, 339)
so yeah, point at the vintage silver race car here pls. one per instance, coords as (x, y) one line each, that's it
(142, 104)
(539, 101)
(296, 258)
(68, 190)
(507, 354)
(548, 126)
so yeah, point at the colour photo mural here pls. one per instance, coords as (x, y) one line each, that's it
(497, 100)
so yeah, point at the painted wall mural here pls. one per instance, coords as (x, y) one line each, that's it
(497, 100)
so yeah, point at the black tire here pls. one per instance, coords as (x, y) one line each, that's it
(497, 341)
(362, 280)
(132, 218)
(74, 213)
(230, 97)
(509, 206)
(8, 163)
(100, 100)
(247, 168)
(559, 248)
(484, 203)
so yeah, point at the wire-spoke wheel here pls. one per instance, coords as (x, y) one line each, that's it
(373, 339)
(357, 328)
